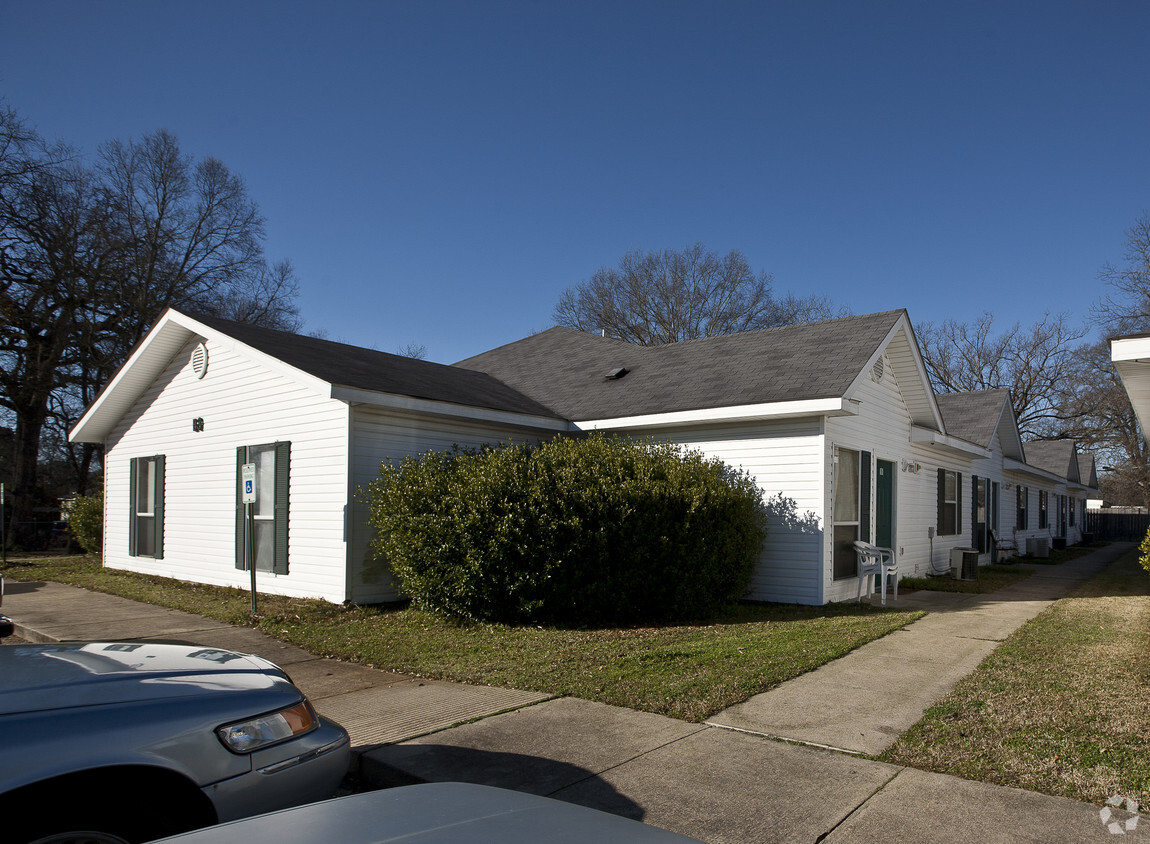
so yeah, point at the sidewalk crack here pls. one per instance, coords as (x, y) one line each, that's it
(596, 774)
(855, 810)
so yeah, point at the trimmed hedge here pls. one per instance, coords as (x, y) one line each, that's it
(576, 531)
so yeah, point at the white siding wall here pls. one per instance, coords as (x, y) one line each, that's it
(241, 404)
(378, 435)
(1007, 521)
(1055, 491)
(882, 427)
(784, 458)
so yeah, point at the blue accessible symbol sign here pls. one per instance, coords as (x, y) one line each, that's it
(248, 483)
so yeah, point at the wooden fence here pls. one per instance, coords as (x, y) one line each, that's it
(1117, 526)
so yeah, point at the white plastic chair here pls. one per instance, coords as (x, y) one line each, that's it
(873, 560)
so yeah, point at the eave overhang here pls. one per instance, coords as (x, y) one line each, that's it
(945, 442)
(392, 401)
(1131, 358)
(744, 413)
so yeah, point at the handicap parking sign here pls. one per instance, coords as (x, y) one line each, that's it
(248, 483)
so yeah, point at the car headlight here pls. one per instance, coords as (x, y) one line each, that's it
(257, 733)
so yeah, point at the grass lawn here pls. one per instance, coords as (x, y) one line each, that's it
(1062, 707)
(688, 672)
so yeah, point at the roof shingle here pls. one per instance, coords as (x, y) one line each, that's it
(565, 369)
(368, 369)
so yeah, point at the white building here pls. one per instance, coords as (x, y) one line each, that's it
(836, 421)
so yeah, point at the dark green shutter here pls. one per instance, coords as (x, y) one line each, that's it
(941, 502)
(241, 456)
(134, 470)
(283, 458)
(864, 496)
(974, 510)
(158, 508)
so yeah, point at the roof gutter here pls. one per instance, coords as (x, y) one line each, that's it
(393, 401)
(946, 442)
(742, 413)
(1026, 469)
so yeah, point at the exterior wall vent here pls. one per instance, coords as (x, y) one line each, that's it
(200, 360)
(878, 370)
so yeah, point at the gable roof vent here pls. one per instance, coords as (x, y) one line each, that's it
(616, 374)
(878, 370)
(200, 360)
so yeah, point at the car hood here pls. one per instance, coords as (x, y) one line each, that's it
(49, 676)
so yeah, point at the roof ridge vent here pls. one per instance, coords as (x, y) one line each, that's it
(616, 374)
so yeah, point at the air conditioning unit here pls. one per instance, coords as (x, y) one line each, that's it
(1038, 546)
(964, 563)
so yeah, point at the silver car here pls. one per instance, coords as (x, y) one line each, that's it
(438, 813)
(130, 741)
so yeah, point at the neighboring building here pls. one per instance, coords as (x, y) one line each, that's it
(835, 420)
(1067, 495)
(1131, 357)
(1021, 492)
(986, 418)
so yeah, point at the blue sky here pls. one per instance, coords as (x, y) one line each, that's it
(439, 172)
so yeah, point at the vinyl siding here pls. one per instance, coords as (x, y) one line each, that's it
(785, 459)
(882, 427)
(241, 404)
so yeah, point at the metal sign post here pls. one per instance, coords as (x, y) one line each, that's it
(3, 537)
(248, 493)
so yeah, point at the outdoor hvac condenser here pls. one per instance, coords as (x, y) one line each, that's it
(964, 563)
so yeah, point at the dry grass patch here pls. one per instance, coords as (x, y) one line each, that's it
(990, 579)
(1062, 707)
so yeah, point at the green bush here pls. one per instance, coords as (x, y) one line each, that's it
(86, 522)
(596, 530)
(1144, 552)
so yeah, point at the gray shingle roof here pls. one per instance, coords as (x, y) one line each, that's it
(1054, 456)
(566, 370)
(367, 369)
(973, 416)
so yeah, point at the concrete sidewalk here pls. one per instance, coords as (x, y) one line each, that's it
(721, 782)
(374, 706)
(863, 702)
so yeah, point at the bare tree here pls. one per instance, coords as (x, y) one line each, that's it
(664, 297)
(1100, 405)
(266, 296)
(1097, 413)
(416, 351)
(1125, 309)
(54, 258)
(90, 257)
(1032, 363)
